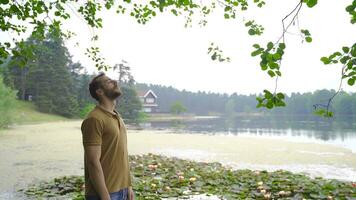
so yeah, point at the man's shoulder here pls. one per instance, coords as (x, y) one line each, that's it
(96, 113)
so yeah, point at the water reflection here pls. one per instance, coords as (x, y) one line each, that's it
(342, 128)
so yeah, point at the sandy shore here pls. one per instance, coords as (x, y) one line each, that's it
(31, 153)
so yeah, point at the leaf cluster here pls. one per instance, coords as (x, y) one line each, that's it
(269, 100)
(254, 29)
(347, 57)
(271, 57)
(306, 35)
(217, 54)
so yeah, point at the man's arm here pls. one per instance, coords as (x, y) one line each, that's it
(96, 174)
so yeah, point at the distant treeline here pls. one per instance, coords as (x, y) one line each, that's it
(203, 103)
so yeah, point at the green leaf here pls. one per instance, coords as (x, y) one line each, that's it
(269, 46)
(255, 53)
(4, 1)
(257, 46)
(351, 81)
(251, 32)
(271, 73)
(308, 39)
(325, 60)
(344, 59)
(269, 105)
(276, 56)
(280, 95)
(282, 45)
(268, 94)
(226, 16)
(278, 73)
(320, 112)
(349, 8)
(312, 3)
(345, 49)
(273, 65)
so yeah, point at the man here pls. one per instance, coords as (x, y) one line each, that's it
(106, 165)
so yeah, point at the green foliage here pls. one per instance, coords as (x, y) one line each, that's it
(271, 57)
(47, 78)
(307, 36)
(310, 3)
(178, 108)
(142, 117)
(254, 29)
(8, 104)
(159, 177)
(351, 9)
(323, 113)
(217, 54)
(346, 57)
(270, 100)
(86, 109)
(129, 105)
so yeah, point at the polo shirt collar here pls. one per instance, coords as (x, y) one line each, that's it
(114, 112)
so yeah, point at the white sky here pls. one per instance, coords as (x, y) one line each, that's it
(164, 52)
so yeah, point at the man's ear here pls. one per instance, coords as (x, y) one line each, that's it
(99, 92)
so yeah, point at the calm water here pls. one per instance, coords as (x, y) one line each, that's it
(340, 131)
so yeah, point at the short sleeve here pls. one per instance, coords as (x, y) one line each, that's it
(92, 131)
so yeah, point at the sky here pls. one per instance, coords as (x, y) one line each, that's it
(164, 52)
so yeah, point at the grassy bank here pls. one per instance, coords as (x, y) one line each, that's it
(26, 113)
(159, 177)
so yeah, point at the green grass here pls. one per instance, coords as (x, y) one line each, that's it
(26, 113)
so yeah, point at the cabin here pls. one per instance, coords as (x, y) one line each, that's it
(149, 101)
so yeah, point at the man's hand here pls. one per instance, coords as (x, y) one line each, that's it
(131, 194)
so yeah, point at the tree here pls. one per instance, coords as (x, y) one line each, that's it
(178, 108)
(48, 79)
(7, 104)
(129, 105)
(49, 15)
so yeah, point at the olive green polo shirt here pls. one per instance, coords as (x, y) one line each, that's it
(108, 130)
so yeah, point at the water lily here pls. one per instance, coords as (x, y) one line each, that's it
(192, 179)
(260, 187)
(267, 196)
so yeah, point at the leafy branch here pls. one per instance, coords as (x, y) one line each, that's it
(348, 59)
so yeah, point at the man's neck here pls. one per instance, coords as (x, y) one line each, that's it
(108, 105)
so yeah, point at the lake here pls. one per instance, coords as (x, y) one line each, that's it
(339, 131)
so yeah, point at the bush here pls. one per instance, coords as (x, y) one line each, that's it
(86, 109)
(7, 104)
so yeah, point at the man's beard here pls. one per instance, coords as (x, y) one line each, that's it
(113, 93)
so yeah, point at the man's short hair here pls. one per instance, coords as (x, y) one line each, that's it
(94, 85)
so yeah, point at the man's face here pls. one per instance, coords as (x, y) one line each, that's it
(110, 88)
